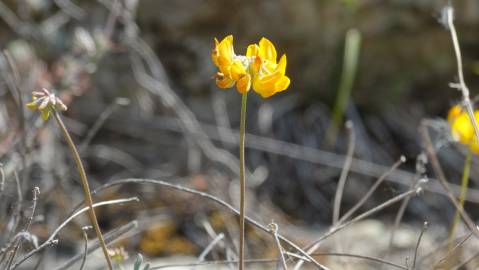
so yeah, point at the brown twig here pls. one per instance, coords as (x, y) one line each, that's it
(431, 152)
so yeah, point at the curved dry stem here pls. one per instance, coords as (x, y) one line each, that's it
(51, 240)
(85, 185)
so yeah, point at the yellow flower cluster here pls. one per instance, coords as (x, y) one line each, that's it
(259, 68)
(45, 102)
(462, 129)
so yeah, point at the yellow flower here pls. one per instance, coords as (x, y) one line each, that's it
(258, 68)
(270, 78)
(45, 102)
(462, 129)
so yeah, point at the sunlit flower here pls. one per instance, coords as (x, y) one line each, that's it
(45, 102)
(270, 78)
(258, 68)
(462, 129)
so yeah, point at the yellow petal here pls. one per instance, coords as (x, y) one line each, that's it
(265, 89)
(244, 84)
(267, 51)
(454, 112)
(237, 70)
(282, 84)
(225, 48)
(223, 61)
(225, 83)
(255, 67)
(474, 146)
(282, 64)
(462, 129)
(45, 114)
(32, 105)
(215, 53)
(253, 50)
(271, 78)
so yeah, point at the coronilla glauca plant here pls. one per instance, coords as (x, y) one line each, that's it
(260, 70)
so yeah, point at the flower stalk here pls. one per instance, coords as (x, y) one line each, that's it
(244, 99)
(48, 103)
(85, 185)
(462, 196)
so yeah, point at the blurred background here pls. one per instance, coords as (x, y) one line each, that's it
(137, 78)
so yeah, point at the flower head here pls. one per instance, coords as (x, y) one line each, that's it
(45, 102)
(462, 129)
(259, 68)
(118, 254)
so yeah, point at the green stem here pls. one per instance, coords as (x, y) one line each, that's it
(86, 188)
(242, 180)
(350, 64)
(462, 196)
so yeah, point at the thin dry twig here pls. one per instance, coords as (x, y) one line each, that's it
(210, 247)
(448, 12)
(13, 84)
(371, 190)
(132, 126)
(110, 237)
(344, 172)
(100, 121)
(212, 198)
(51, 239)
(71, 9)
(452, 250)
(36, 192)
(421, 162)
(85, 249)
(462, 264)
(431, 152)
(423, 230)
(274, 231)
(273, 260)
(311, 248)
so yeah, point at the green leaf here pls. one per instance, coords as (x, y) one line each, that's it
(138, 262)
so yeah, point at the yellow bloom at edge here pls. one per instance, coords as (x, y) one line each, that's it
(258, 68)
(462, 129)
